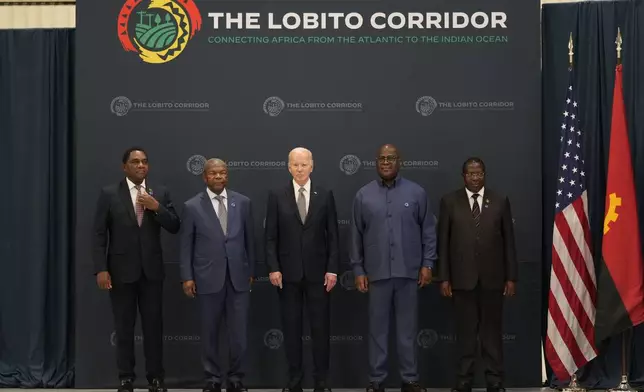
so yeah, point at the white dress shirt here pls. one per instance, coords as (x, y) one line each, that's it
(215, 202)
(133, 191)
(307, 192)
(479, 199)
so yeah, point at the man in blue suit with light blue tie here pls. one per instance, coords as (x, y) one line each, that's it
(217, 266)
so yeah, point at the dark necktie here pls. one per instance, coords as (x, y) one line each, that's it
(476, 210)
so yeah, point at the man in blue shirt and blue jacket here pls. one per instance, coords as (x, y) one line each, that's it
(393, 251)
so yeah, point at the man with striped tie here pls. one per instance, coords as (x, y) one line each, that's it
(477, 266)
(128, 262)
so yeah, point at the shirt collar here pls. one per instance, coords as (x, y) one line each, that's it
(470, 193)
(395, 182)
(307, 186)
(212, 194)
(131, 185)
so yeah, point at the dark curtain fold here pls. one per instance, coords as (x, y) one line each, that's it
(36, 233)
(594, 27)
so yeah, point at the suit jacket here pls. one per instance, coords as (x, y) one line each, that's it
(123, 248)
(467, 255)
(207, 254)
(301, 250)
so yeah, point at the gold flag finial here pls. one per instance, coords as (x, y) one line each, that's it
(618, 41)
(570, 52)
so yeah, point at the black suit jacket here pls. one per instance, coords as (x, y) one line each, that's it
(467, 256)
(301, 251)
(123, 248)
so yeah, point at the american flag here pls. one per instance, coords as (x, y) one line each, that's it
(570, 343)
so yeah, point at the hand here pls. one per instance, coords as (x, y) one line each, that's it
(510, 289)
(446, 289)
(276, 279)
(189, 288)
(148, 201)
(330, 281)
(424, 277)
(362, 283)
(104, 280)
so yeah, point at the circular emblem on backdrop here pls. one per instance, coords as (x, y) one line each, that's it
(426, 105)
(349, 164)
(196, 164)
(427, 338)
(273, 106)
(120, 106)
(273, 338)
(113, 338)
(347, 281)
(160, 31)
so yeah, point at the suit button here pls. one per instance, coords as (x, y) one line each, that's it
(392, 244)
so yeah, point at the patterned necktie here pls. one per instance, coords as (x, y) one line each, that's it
(138, 209)
(222, 214)
(301, 204)
(476, 210)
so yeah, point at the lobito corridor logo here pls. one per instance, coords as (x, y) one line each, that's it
(158, 30)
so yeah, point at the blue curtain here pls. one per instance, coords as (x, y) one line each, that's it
(594, 28)
(36, 146)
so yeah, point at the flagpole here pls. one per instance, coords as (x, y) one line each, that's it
(573, 386)
(624, 385)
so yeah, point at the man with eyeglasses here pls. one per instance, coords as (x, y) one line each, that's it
(477, 267)
(392, 251)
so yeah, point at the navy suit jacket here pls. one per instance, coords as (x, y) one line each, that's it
(207, 255)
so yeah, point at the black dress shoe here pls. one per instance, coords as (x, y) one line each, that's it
(495, 387)
(157, 385)
(463, 387)
(411, 387)
(126, 386)
(212, 387)
(236, 387)
(375, 387)
(320, 386)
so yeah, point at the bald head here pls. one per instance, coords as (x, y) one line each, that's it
(300, 164)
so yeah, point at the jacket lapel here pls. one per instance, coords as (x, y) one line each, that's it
(126, 199)
(313, 204)
(290, 196)
(209, 209)
(232, 211)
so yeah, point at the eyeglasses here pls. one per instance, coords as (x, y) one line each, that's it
(475, 175)
(388, 158)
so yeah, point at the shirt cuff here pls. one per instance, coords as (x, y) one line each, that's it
(331, 273)
(358, 270)
(428, 263)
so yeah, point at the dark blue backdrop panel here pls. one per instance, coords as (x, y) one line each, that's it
(440, 95)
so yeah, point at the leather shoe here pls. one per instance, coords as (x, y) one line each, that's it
(126, 386)
(212, 387)
(375, 387)
(496, 387)
(236, 386)
(294, 388)
(320, 386)
(411, 387)
(463, 387)
(157, 385)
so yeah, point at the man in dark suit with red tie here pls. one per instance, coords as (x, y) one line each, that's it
(128, 262)
(477, 266)
(302, 258)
